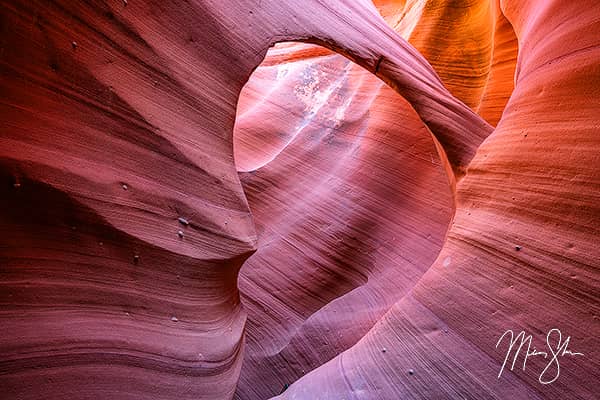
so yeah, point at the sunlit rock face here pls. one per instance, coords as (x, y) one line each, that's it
(359, 212)
(331, 258)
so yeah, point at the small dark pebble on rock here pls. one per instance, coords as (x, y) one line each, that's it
(411, 371)
(285, 387)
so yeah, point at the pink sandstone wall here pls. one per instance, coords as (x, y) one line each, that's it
(358, 212)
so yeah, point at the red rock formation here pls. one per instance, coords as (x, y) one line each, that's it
(388, 235)
(331, 258)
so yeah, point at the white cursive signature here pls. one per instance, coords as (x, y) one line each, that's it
(561, 349)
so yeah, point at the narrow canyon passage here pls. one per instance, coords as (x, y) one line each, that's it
(326, 151)
(283, 199)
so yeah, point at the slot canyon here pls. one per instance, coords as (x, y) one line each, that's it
(300, 199)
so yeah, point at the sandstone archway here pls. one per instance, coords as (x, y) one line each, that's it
(117, 134)
(351, 204)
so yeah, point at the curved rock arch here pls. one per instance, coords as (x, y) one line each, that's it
(351, 202)
(126, 109)
(103, 81)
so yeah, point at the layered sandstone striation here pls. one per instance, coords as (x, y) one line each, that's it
(302, 200)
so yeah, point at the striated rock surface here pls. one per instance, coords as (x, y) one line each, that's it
(331, 259)
(360, 217)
